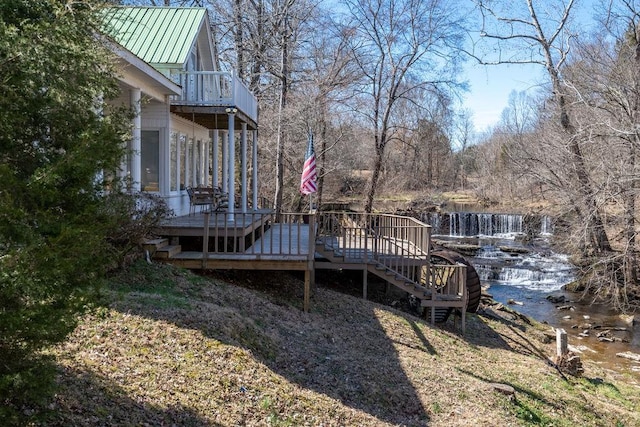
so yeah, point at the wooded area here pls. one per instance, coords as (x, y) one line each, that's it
(378, 83)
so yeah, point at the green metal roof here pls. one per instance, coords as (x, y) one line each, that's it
(157, 35)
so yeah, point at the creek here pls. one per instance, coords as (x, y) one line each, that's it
(528, 273)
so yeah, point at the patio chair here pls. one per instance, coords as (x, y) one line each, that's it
(200, 196)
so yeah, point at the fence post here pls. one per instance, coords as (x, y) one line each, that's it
(205, 241)
(562, 343)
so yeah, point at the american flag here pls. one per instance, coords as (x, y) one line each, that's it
(309, 174)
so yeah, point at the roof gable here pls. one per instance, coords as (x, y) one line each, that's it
(157, 35)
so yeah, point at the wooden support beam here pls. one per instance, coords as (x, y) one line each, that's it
(307, 290)
(562, 342)
(205, 241)
(365, 285)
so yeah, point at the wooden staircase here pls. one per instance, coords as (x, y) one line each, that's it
(161, 249)
(426, 291)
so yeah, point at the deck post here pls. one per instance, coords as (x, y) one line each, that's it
(364, 282)
(205, 241)
(307, 290)
(311, 251)
(365, 259)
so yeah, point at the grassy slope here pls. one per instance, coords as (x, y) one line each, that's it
(175, 348)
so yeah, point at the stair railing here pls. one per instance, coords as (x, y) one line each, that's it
(397, 243)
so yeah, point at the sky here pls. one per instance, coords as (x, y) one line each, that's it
(490, 86)
(489, 89)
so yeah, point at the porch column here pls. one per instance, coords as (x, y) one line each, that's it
(254, 170)
(206, 153)
(232, 161)
(215, 158)
(136, 145)
(243, 143)
(194, 162)
(225, 166)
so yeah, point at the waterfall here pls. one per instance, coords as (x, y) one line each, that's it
(547, 271)
(474, 224)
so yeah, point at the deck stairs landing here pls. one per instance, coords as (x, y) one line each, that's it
(396, 250)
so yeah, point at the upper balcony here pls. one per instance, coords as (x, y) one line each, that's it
(207, 95)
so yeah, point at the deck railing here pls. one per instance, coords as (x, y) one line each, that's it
(217, 88)
(398, 243)
(399, 246)
(290, 236)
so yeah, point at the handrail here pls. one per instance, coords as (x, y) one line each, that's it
(395, 243)
(398, 243)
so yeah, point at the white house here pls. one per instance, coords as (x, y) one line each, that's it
(188, 113)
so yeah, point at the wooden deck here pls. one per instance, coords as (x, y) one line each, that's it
(235, 224)
(392, 247)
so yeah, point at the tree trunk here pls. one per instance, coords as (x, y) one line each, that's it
(375, 176)
(281, 137)
(258, 54)
(238, 29)
(598, 239)
(631, 262)
(323, 149)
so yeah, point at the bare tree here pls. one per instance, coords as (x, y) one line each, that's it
(464, 135)
(329, 72)
(539, 33)
(399, 46)
(604, 78)
(283, 75)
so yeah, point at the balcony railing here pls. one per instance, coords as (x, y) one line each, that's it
(215, 88)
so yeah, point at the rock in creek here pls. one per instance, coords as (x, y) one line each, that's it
(557, 299)
(629, 319)
(629, 355)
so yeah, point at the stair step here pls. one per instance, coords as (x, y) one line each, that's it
(151, 246)
(168, 251)
(154, 244)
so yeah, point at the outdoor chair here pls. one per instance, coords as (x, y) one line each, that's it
(200, 196)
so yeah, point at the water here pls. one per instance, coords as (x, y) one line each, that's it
(528, 273)
(467, 224)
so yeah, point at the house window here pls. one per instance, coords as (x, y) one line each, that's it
(173, 165)
(150, 160)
